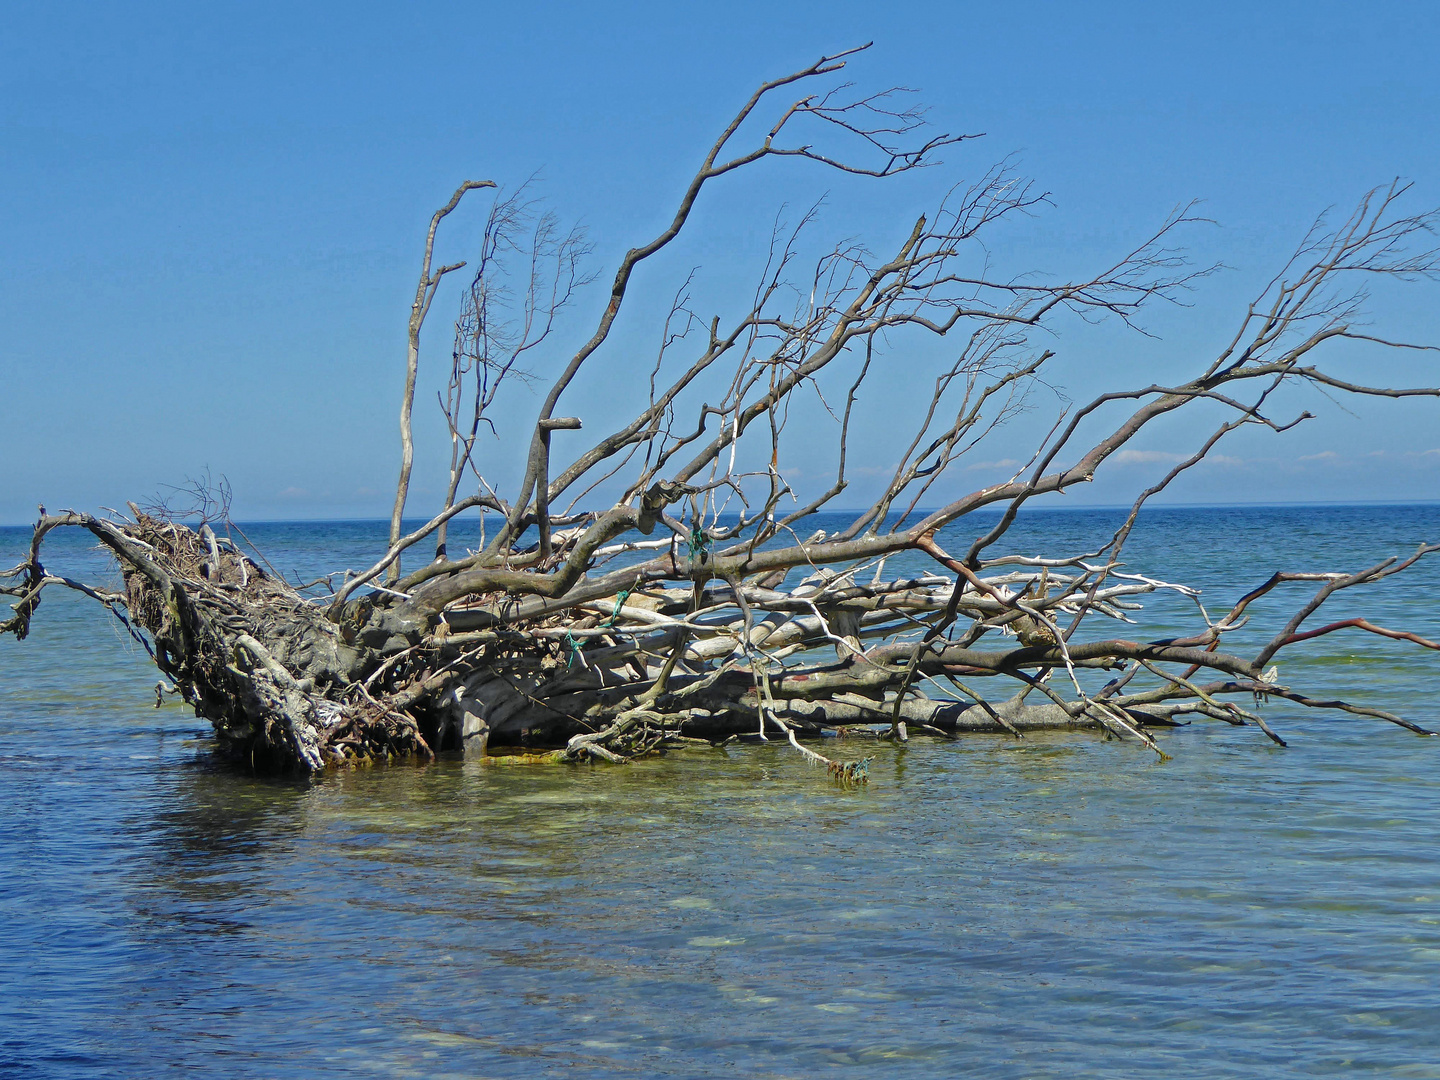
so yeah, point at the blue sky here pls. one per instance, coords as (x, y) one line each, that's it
(210, 217)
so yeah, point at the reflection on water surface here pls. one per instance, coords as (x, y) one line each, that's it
(1056, 907)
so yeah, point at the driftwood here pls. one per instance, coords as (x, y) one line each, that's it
(702, 603)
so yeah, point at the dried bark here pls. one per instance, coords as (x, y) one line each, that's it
(612, 631)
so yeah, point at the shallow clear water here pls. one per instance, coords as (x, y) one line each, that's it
(1061, 906)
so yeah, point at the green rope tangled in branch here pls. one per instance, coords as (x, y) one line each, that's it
(574, 649)
(699, 543)
(620, 599)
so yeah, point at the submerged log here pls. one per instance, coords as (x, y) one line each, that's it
(286, 685)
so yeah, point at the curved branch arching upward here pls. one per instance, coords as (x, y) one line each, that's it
(424, 295)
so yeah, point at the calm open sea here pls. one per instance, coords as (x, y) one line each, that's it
(1062, 906)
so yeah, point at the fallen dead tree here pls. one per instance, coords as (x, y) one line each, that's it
(701, 602)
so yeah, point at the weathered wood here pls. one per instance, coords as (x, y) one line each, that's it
(703, 602)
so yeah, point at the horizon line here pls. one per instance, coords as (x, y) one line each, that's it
(919, 511)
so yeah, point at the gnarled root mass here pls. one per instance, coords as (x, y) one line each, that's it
(274, 677)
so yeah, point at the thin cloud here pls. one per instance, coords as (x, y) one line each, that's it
(1003, 463)
(1147, 457)
(1324, 455)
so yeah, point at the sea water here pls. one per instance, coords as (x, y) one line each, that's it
(1059, 906)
